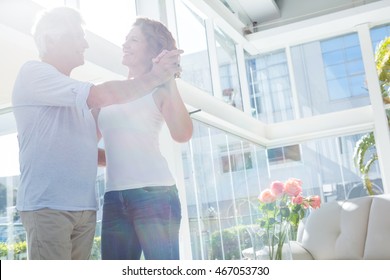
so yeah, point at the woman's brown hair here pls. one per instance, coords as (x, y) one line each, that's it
(157, 35)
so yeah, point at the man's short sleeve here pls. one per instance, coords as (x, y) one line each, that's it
(40, 84)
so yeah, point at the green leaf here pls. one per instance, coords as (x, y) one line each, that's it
(285, 212)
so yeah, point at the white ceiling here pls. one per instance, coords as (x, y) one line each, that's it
(249, 11)
(263, 25)
(263, 14)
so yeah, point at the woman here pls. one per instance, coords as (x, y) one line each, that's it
(141, 211)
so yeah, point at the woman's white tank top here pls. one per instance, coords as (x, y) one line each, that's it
(131, 140)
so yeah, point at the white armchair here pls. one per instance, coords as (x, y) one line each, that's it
(358, 228)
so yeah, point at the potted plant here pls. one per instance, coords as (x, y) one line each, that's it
(363, 160)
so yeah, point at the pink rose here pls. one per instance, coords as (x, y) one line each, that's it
(305, 204)
(277, 188)
(267, 196)
(293, 187)
(297, 199)
(315, 201)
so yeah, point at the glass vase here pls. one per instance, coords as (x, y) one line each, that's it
(275, 243)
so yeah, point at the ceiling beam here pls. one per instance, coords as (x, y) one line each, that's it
(219, 114)
(320, 27)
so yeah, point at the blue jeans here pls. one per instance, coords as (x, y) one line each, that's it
(141, 220)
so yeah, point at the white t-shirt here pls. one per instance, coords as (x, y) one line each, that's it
(57, 140)
(131, 140)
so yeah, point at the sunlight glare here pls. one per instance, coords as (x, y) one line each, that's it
(112, 22)
(9, 159)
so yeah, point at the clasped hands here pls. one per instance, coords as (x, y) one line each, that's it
(169, 62)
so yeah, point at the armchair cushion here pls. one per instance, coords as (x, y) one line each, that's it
(300, 253)
(378, 235)
(353, 229)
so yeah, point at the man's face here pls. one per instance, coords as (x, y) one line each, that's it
(70, 47)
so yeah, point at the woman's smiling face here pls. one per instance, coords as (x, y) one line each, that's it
(136, 51)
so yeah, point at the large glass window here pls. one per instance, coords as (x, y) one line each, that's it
(379, 33)
(221, 193)
(270, 89)
(329, 75)
(237, 157)
(283, 155)
(192, 39)
(228, 71)
(343, 67)
(228, 174)
(12, 233)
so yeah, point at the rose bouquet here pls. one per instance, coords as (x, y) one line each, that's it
(283, 206)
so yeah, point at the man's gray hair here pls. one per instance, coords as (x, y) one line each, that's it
(54, 23)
